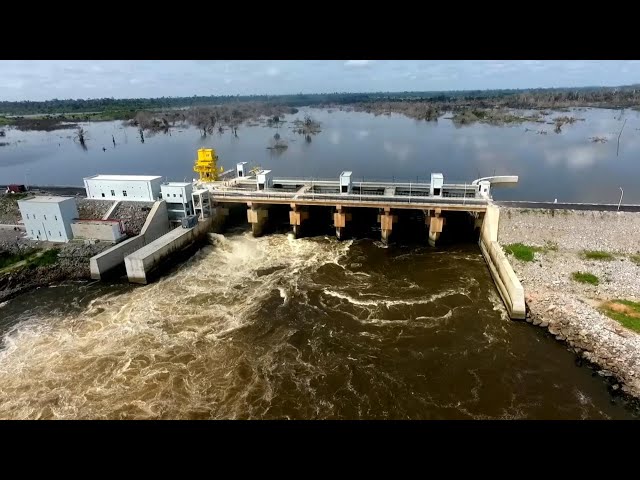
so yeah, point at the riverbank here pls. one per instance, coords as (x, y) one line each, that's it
(69, 261)
(603, 248)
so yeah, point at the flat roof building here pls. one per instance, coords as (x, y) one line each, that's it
(49, 218)
(132, 188)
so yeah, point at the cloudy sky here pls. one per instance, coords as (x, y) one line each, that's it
(47, 79)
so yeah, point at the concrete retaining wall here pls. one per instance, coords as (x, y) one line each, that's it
(156, 225)
(506, 281)
(104, 231)
(140, 263)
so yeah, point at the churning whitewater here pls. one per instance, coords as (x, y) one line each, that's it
(275, 327)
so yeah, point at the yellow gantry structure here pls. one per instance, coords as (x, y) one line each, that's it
(207, 165)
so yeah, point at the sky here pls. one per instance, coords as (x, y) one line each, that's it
(63, 79)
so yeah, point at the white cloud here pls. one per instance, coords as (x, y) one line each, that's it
(273, 71)
(357, 63)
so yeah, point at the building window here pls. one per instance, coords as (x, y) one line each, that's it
(45, 217)
(39, 233)
(59, 234)
(27, 216)
(103, 194)
(180, 195)
(174, 194)
(124, 193)
(49, 232)
(34, 216)
(113, 193)
(32, 233)
(56, 217)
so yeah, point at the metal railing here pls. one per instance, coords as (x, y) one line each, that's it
(353, 197)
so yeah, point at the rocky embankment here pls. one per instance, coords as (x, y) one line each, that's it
(571, 310)
(72, 264)
(133, 215)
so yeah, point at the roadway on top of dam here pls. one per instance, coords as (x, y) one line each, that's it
(461, 197)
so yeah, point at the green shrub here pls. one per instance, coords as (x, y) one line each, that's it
(584, 277)
(597, 255)
(520, 251)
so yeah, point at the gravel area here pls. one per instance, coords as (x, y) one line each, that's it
(571, 229)
(9, 211)
(93, 209)
(133, 214)
(568, 309)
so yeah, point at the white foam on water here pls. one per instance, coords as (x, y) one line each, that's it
(164, 350)
(391, 303)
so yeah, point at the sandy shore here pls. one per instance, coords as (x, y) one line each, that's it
(568, 309)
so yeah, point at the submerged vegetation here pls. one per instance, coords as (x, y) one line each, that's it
(585, 277)
(490, 106)
(625, 312)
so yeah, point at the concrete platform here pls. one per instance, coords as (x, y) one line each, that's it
(141, 262)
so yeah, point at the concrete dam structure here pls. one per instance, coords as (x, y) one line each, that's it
(261, 193)
(336, 203)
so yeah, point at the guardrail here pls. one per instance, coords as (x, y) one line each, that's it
(401, 199)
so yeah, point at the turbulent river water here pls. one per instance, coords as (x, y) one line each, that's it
(311, 328)
(277, 327)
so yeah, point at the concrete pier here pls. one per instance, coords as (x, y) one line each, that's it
(436, 223)
(257, 216)
(340, 219)
(386, 220)
(296, 216)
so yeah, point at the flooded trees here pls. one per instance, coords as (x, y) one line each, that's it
(81, 136)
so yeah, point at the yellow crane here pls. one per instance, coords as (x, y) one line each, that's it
(207, 165)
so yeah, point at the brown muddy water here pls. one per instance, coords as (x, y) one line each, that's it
(312, 328)
(283, 328)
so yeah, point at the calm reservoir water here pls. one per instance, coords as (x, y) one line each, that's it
(567, 166)
(276, 327)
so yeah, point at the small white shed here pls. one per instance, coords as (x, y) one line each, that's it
(241, 169)
(345, 182)
(264, 179)
(437, 182)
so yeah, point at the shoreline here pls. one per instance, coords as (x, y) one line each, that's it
(568, 310)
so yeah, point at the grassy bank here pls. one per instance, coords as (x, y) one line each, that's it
(624, 311)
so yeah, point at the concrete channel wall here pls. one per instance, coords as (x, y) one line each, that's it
(140, 263)
(509, 286)
(156, 225)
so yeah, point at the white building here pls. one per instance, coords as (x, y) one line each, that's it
(178, 198)
(264, 179)
(49, 218)
(345, 182)
(241, 169)
(437, 182)
(132, 188)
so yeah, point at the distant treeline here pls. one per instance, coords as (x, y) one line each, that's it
(625, 96)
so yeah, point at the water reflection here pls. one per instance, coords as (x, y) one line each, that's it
(568, 165)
